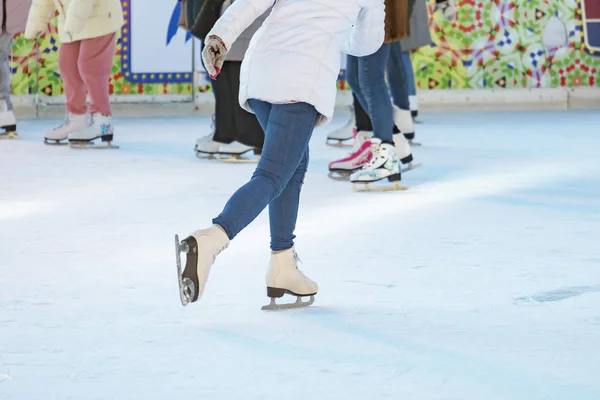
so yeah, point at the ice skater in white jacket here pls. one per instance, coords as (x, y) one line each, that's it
(288, 79)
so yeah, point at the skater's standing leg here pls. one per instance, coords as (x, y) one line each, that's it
(76, 120)
(95, 67)
(399, 91)
(289, 129)
(361, 152)
(413, 101)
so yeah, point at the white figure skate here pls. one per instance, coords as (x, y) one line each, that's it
(201, 249)
(383, 165)
(234, 151)
(284, 277)
(100, 127)
(341, 136)
(73, 123)
(8, 122)
(404, 122)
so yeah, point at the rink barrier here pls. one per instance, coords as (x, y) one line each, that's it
(30, 106)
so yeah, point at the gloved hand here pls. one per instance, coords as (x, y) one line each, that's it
(213, 55)
(448, 9)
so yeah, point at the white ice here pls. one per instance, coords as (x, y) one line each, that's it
(481, 282)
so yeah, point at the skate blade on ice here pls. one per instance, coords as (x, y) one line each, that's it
(413, 143)
(83, 145)
(410, 167)
(10, 135)
(339, 175)
(339, 142)
(377, 187)
(236, 158)
(186, 287)
(285, 306)
(52, 142)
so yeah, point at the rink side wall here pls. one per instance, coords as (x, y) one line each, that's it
(499, 54)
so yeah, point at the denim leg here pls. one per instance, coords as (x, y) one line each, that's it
(353, 79)
(410, 73)
(288, 131)
(397, 77)
(371, 73)
(283, 211)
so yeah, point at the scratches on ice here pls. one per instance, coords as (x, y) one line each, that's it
(558, 294)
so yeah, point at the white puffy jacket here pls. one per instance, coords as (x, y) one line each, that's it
(77, 19)
(296, 54)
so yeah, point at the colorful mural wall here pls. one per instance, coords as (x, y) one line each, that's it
(493, 44)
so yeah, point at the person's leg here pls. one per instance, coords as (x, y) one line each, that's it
(283, 211)
(397, 77)
(409, 72)
(5, 76)
(95, 65)
(245, 125)
(363, 122)
(399, 90)
(69, 71)
(376, 93)
(226, 99)
(288, 131)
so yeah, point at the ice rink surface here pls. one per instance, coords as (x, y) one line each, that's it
(482, 281)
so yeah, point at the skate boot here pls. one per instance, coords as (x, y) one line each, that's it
(403, 120)
(383, 165)
(73, 123)
(100, 127)
(285, 277)
(343, 134)
(404, 153)
(8, 122)
(360, 155)
(234, 151)
(201, 248)
(206, 146)
(413, 101)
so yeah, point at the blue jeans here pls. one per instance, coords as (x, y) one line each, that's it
(366, 77)
(397, 77)
(410, 73)
(279, 175)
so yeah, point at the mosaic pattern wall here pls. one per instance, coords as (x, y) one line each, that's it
(493, 44)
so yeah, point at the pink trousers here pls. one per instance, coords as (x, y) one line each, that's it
(87, 64)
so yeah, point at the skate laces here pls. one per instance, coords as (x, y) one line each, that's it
(299, 261)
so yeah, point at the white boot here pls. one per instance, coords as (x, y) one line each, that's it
(73, 123)
(403, 150)
(404, 122)
(414, 105)
(346, 132)
(234, 148)
(383, 165)
(206, 145)
(100, 127)
(203, 246)
(8, 122)
(284, 276)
